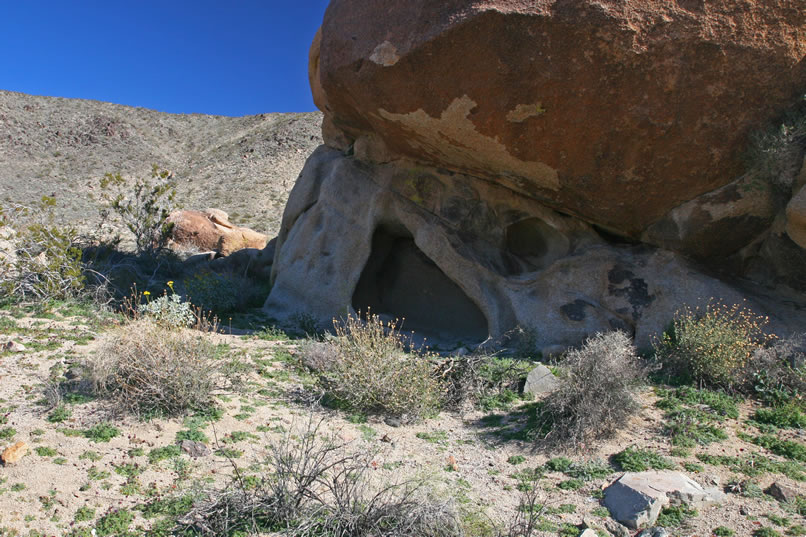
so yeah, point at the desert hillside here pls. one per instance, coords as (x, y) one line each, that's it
(243, 165)
(541, 273)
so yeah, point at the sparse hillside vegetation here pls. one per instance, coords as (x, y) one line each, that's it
(63, 147)
(354, 469)
(152, 402)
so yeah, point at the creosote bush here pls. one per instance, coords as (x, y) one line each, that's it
(711, 346)
(141, 207)
(365, 367)
(777, 373)
(594, 397)
(148, 369)
(315, 486)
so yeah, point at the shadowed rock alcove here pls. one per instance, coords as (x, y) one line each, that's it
(400, 281)
(536, 244)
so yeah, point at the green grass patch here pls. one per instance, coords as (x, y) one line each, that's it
(559, 464)
(114, 523)
(170, 507)
(639, 460)
(103, 432)
(162, 453)
(434, 437)
(128, 469)
(755, 465)
(84, 514)
(789, 449)
(60, 414)
(571, 484)
(785, 417)
(674, 516)
(192, 434)
(92, 456)
(722, 531)
(44, 451)
(692, 415)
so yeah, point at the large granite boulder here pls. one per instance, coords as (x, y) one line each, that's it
(571, 167)
(636, 499)
(461, 258)
(211, 230)
(615, 112)
(796, 218)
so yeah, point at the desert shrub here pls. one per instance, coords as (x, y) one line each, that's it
(316, 486)
(366, 368)
(775, 152)
(169, 310)
(40, 258)
(217, 292)
(148, 369)
(711, 346)
(594, 396)
(483, 379)
(141, 207)
(778, 373)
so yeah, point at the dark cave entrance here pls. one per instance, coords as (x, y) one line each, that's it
(535, 245)
(399, 280)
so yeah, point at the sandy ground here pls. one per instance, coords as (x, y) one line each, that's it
(45, 490)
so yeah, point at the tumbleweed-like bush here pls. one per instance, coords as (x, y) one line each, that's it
(595, 395)
(366, 367)
(149, 369)
(314, 485)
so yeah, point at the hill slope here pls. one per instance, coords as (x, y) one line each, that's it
(62, 147)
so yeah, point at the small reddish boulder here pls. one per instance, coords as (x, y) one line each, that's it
(211, 230)
(14, 453)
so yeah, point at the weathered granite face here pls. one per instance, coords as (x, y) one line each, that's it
(461, 258)
(615, 112)
(543, 164)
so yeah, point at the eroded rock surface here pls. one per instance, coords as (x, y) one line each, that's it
(593, 107)
(210, 230)
(13, 454)
(636, 499)
(461, 258)
(569, 167)
(796, 218)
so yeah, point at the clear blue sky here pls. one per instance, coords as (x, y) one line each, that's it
(232, 58)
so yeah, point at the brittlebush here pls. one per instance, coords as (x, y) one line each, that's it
(711, 346)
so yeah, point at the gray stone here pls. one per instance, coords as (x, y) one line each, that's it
(636, 499)
(616, 529)
(462, 259)
(13, 346)
(782, 493)
(654, 532)
(540, 380)
(195, 449)
(393, 421)
(588, 532)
